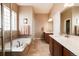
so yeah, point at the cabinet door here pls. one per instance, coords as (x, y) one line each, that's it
(57, 49)
(47, 37)
(66, 52)
(51, 45)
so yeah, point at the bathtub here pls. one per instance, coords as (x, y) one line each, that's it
(24, 43)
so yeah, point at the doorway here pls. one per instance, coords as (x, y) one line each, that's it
(67, 26)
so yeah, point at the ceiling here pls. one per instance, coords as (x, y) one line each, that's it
(39, 7)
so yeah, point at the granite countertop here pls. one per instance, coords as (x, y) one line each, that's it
(71, 43)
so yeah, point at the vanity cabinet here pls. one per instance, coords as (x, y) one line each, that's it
(57, 49)
(46, 36)
(66, 52)
(51, 45)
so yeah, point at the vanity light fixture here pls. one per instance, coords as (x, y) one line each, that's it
(68, 4)
(50, 19)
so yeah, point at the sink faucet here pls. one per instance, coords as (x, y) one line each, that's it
(18, 43)
(67, 35)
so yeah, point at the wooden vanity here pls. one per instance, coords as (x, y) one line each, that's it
(55, 48)
(46, 36)
(61, 47)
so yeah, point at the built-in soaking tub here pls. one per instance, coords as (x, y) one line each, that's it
(20, 46)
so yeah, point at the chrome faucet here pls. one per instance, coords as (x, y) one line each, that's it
(18, 43)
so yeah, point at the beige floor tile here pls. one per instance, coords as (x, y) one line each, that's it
(39, 48)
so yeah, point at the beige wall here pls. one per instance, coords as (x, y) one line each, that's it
(50, 26)
(40, 22)
(26, 12)
(33, 23)
(36, 21)
(15, 7)
(55, 14)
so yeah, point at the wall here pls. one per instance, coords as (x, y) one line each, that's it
(33, 24)
(56, 24)
(55, 14)
(26, 12)
(41, 21)
(36, 21)
(50, 26)
(15, 7)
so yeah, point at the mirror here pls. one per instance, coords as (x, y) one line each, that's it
(70, 21)
(77, 30)
(77, 27)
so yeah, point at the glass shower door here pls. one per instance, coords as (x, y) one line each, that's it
(7, 28)
(0, 33)
(2, 51)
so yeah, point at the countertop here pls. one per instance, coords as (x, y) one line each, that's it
(71, 43)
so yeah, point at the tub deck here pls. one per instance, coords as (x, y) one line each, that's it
(18, 50)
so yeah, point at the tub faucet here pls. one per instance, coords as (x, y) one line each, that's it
(18, 43)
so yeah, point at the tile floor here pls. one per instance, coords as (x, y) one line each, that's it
(39, 48)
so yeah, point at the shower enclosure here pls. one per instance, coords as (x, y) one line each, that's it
(5, 29)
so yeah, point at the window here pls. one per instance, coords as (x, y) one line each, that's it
(14, 20)
(6, 17)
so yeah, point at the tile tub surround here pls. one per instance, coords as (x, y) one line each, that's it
(71, 43)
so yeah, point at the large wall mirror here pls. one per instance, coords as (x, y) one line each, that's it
(70, 21)
(77, 27)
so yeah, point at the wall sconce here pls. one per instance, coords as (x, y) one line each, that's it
(25, 20)
(50, 19)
